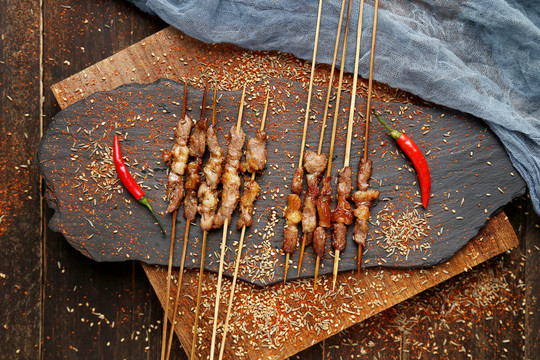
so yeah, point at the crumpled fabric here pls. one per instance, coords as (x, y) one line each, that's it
(480, 57)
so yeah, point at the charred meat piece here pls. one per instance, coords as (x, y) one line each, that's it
(324, 201)
(197, 146)
(197, 140)
(297, 181)
(363, 200)
(339, 236)
(230, 179)
(255, 153)
(251, 190)
(315, 164)
(290, 238)
(178, 158)
(364, 174)
(213, 168)
(208, 191)
(319, 241)
(293, 216)
(309, 239)
(343, 213)
(309, 218)
(192, 185)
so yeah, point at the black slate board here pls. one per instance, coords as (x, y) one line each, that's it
(472, 177)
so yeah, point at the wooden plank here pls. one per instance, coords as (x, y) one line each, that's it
(91, 310)
(135, 64)
(20, 223)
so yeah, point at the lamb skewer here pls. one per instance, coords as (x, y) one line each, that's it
(292, 213)
(197, 147)
(229, 200)
(340, 238)
(325, 197)
(255, 162)
(174, 180)
(313, 189)
(363, 201)
(208, 196)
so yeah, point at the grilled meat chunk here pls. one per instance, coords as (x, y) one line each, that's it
(324, 201)
(178, 158)
(319, 241)
(255, 153)
(230, 179)
(251, 190)
(297, 181)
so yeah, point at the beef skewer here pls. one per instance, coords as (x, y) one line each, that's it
(364, 198)
(229, 200)
(208, 196)
(292, 213)
(174, 179)
(255, 162)
(197, 147)
(310, 212)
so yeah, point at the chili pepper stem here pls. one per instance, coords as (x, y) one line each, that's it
(393, 133)
(144, 201)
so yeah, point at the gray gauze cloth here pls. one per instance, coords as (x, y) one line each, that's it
(480, 57)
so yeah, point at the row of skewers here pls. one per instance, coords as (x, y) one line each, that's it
(202, 196)
(317, 216)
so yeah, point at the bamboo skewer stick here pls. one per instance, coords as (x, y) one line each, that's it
(326, 106)
(203, 254)
(350, 126)
(171, 255)
(223, 246)
(368, 106)
(239, 254)
(336, 113)
(306, 118)
(183, 260)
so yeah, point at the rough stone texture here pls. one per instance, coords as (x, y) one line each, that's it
(466, 160)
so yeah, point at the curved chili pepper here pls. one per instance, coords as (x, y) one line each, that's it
(417, 158)
(129, 182)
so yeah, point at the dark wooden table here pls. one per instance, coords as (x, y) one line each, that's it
(57, 304)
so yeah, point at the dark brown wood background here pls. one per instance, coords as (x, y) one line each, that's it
(57, 304)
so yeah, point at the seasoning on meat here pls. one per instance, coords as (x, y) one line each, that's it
(230, 179)
(319, 241)
(255, 153)
(324, 201)
(208, 191)
(293, 216)
(297, 180)
(197, 145)
(315, 165)
(251, 190)
(363, 200)
(255, 161)
(178, 157)
(364, 174)
(342, 214)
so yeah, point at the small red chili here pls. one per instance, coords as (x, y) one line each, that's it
(417, 158)
(129, 182)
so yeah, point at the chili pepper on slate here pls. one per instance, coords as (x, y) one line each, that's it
(129, 182)
(417, 158)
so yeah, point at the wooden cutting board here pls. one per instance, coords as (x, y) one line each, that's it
(278, 321)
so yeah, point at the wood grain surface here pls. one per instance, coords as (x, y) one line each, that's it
(57, 304)
(142, 62)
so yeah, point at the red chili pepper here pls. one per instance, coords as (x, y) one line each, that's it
(417, 158)
(129, 182)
